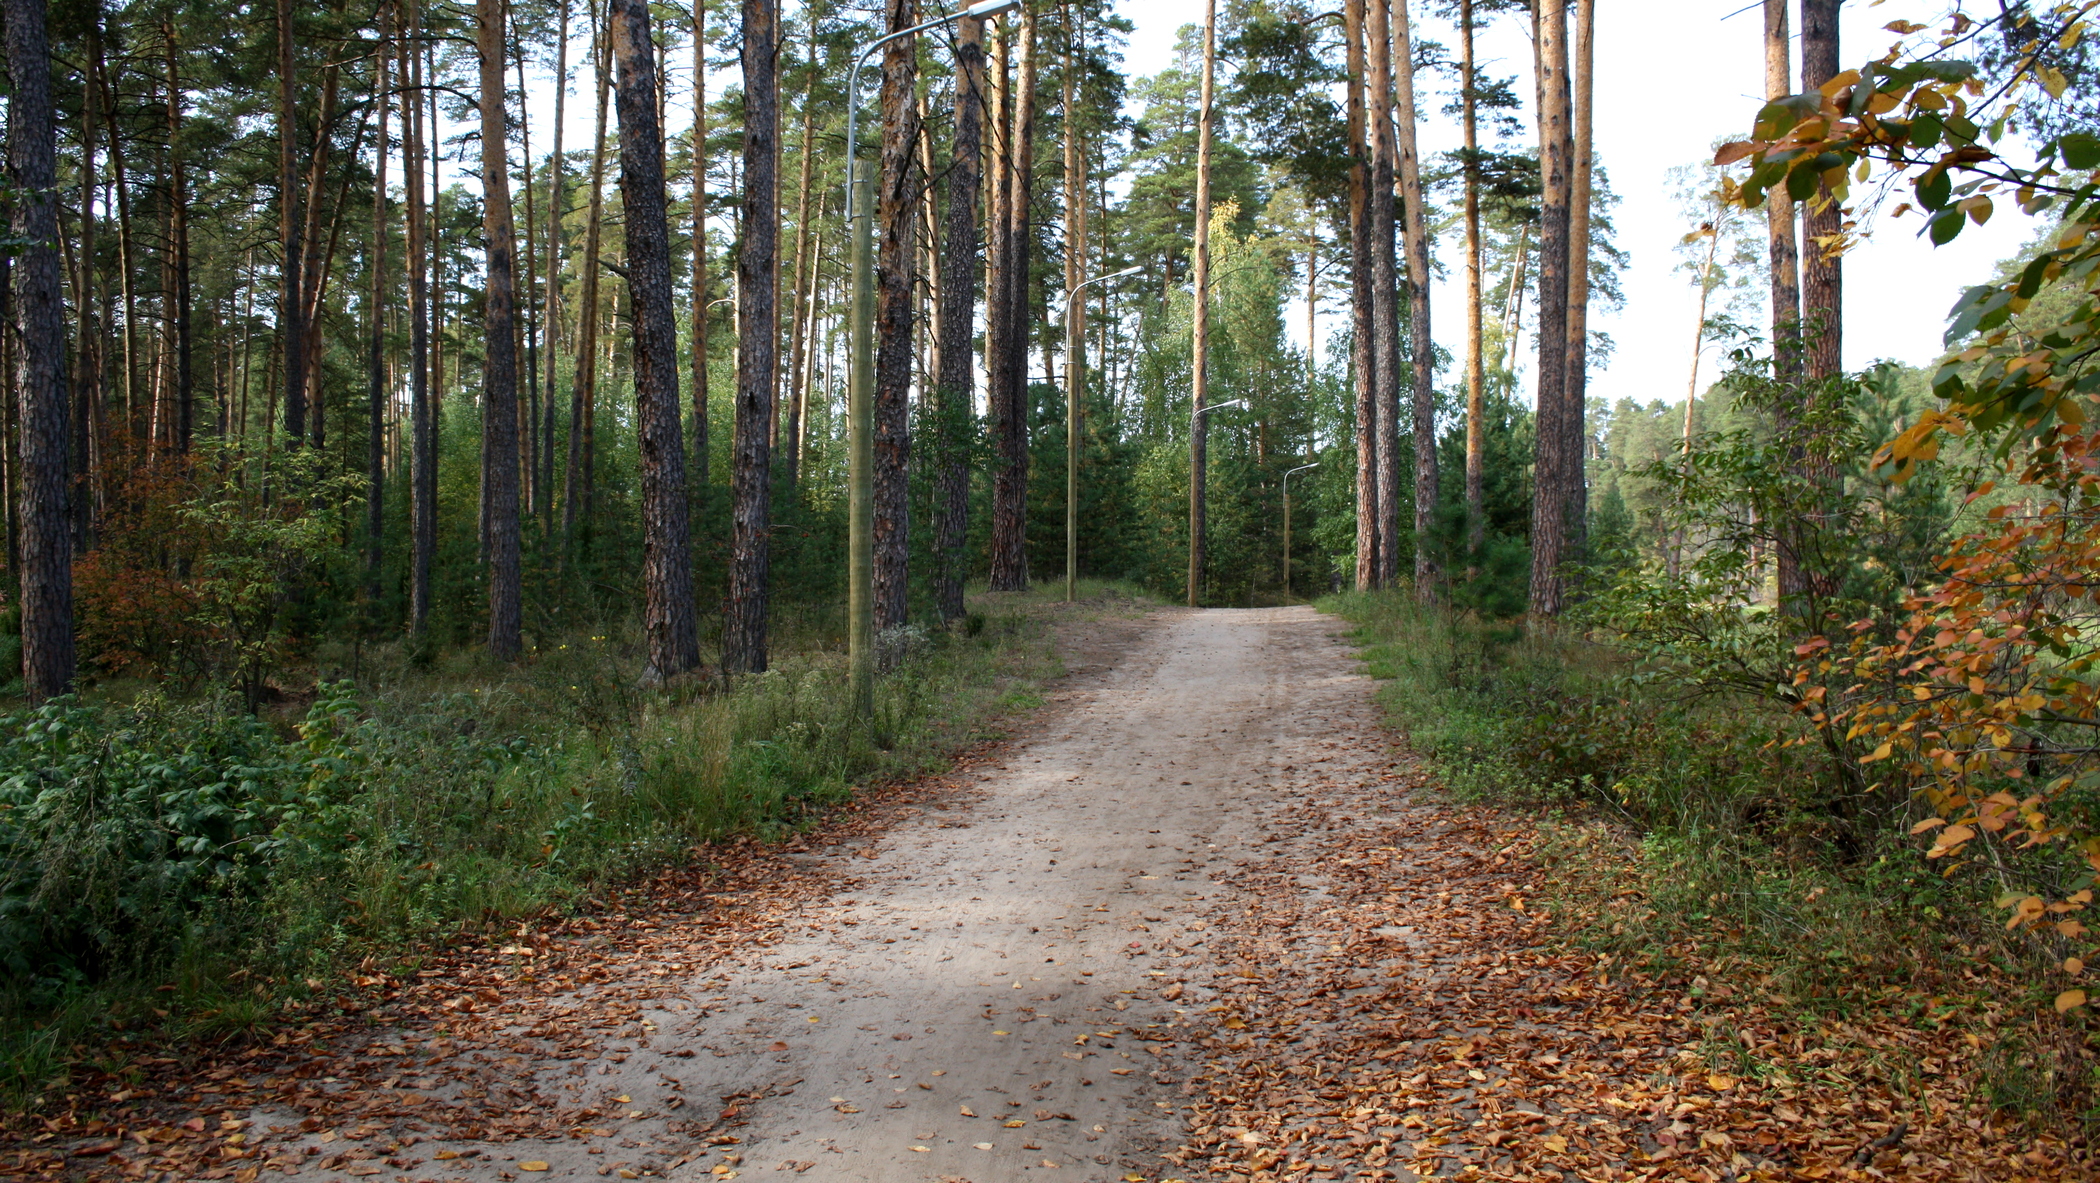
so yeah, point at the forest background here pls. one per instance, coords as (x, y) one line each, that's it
(477, 544)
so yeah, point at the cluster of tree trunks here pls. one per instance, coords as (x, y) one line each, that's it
(1389, 255)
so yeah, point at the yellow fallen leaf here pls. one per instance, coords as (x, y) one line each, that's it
(1719, 1083)
(1002, 1033)
(920, 1149)
(1555, 1144)
(623, 1099)
(982, 1145)
(444, 1155)
(1015, 1125)
(966, 1111)
(534, 1165)
(2069, 1000)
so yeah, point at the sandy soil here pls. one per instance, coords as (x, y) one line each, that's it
(1000, 995)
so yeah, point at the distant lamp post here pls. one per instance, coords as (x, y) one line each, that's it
(1075, 363)
(1198, 423)
(860, 388)
(1287, 525)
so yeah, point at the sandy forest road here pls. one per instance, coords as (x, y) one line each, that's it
(992, 996)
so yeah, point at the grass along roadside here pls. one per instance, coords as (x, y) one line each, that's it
(177, 870)
(1684, 843)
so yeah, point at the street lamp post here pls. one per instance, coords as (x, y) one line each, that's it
(1075, 361)
(1287, 525)
(1198, 423)
(860, 387)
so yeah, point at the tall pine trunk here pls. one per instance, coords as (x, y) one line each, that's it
(1010, 422)
(1199, 329)
(581, 478)
(1385, 279)
(1361, 365)
(1075, 308)
(499, 401)
(955, 408)
(36, 304)
(550, 309)
(1823, 220)
(1414, 231)
(292, 224)
(375, 328)
(667, 565)
(184, 408)
(422, 411)
(790, 441)
(1556, 472)
(744, 641)
(1581, 37)
(700, 292)
(1783, 260)
(1476, 366)
(896, 208)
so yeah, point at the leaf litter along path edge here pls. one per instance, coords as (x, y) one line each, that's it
(1194, 924)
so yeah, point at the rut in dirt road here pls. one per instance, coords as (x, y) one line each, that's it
(997, 995)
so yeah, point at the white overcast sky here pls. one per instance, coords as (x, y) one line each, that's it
(1672, 75)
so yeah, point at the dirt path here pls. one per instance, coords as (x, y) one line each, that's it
(984, 989)
(1196, 922)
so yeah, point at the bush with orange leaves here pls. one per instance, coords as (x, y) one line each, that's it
(198, 564)
(1987, 704)
(136, 608)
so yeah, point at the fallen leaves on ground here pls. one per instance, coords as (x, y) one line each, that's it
(454, 1048)
(1389, 1002)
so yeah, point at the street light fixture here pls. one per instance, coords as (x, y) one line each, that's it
(1075, 359)
(1196, 424)
(1287, 525)
(860, 388)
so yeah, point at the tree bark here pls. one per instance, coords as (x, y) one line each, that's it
(744, 642)
(90, 351)
(895, 275)
(1823, 220)
(667, 566)
(1581, 164)
(1199, 316)
(184, 408)
(956, 408)
(1476, 367)
(1385, 279)
(499, 402)
(700, 292)
(557, 208)
(422, 409)
(1075, 274)
(1362, 313)
(37, 305)
(292, 223)
(1783, 255)
(1555, 471)
(790, 442)
(1414, 232)
(998, 308)
(375, 418)
(1010, 427)
(577, 497)
(1783, 251)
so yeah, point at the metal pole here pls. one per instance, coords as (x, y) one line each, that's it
(1287, 525)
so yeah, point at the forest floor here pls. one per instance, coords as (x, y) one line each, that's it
(1198, 918)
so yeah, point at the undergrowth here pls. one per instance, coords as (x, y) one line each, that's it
(187, 866)
(1686, 840)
